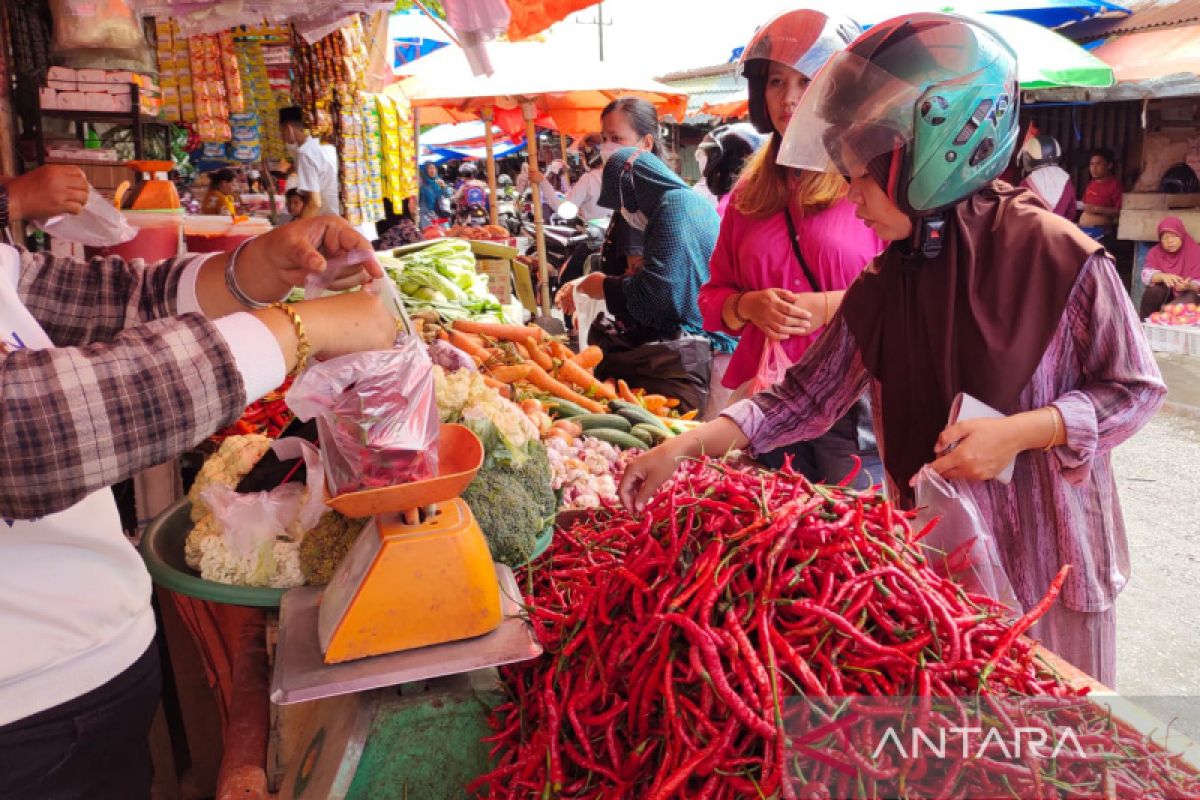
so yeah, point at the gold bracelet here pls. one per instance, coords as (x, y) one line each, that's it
(737, 313)
(1054, 434)
(303, 348)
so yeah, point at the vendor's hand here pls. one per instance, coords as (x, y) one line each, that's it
(644, 475)
(565, 299)
(592, 286)
(777, 313)
(272, 264)
(46, 192)
(982, 448)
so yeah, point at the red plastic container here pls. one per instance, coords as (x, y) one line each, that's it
(218, 234)
(158, 237)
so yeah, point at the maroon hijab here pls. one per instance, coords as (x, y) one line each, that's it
(1186, 262)
(976, 319)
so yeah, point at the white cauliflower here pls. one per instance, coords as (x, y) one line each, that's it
(464, 397)
(206, 550)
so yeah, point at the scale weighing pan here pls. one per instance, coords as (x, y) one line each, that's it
(301, 674)
(460, 455)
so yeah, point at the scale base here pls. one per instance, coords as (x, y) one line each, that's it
(301, 674)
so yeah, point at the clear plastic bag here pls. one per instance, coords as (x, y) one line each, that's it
(961, 545)
(251, 523)
(377, 416)
(95, 25)
(99, 224)
(772, 366)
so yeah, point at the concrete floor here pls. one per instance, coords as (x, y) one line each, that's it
(1158, 614)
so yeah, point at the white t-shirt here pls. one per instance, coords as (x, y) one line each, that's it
(317, 171)
(585, 194)
(74, 594)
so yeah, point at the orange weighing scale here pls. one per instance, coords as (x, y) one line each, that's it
(417, 597)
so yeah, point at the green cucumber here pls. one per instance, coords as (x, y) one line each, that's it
(637, 415)
(623, 440)
(611, 421)
(651, 434)
(645, 438)
(564, 409)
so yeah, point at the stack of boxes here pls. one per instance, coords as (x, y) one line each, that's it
(99, 90)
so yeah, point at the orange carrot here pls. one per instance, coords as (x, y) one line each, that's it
(573, 373)
(542, 380)
(522, 351)
(503, 388)
(441, 334)
(691, 414)
(531, 406)
(672, 402)
(625, 394)
(538, 356)
(559, 350)
(511, 374)
(468, 344)
(590, 357)
(509, 333)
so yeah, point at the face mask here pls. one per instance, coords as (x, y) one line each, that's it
(607, 149)
(636, 219)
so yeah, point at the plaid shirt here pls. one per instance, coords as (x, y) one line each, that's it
(128, 385)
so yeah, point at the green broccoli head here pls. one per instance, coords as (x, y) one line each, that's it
(507, 514)
(535, 475)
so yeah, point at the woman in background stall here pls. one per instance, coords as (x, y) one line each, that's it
(220, 197)
(1172, 271)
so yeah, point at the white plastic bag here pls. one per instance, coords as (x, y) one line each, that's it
(961, 545)
(99, 224)
(251, 523)
(586, 311)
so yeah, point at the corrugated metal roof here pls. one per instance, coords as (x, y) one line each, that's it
(707, 85)
(1147, 15)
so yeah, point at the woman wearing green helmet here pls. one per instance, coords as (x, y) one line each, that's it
(982, 292)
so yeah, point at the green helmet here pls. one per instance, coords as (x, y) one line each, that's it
(933, 97)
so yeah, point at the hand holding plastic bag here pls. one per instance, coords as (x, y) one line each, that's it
(99, 224)
(377, 416)
(961, 545)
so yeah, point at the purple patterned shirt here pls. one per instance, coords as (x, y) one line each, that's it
(1061, 506)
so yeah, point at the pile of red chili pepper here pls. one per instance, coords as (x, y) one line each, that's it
(674, 643)
(269, 415)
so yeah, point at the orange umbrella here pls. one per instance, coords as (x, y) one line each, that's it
(530, 80)
(733, 109)
(530, 17)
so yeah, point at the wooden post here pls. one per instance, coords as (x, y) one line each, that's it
(489, 144)
(530, 112)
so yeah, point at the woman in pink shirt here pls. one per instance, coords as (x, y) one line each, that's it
(790, 244)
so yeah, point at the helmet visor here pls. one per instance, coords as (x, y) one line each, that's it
(853, 112)
(857, 109)
(803, 40)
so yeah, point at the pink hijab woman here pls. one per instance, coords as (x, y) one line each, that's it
(1172, 270)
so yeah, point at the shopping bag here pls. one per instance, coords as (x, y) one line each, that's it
(772, 366)
(99, 224)
(587, 309)
(960, 545)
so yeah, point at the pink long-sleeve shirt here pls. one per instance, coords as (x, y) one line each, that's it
(1061, 507)
(754, 254)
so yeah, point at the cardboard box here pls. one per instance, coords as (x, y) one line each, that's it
(97, 101)
(499, 274)
(91, 75)
(48, 98)
(72, 101)
(63, 86)
(62, 74)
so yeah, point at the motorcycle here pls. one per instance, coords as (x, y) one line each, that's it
(573, 245)
(508, 216)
